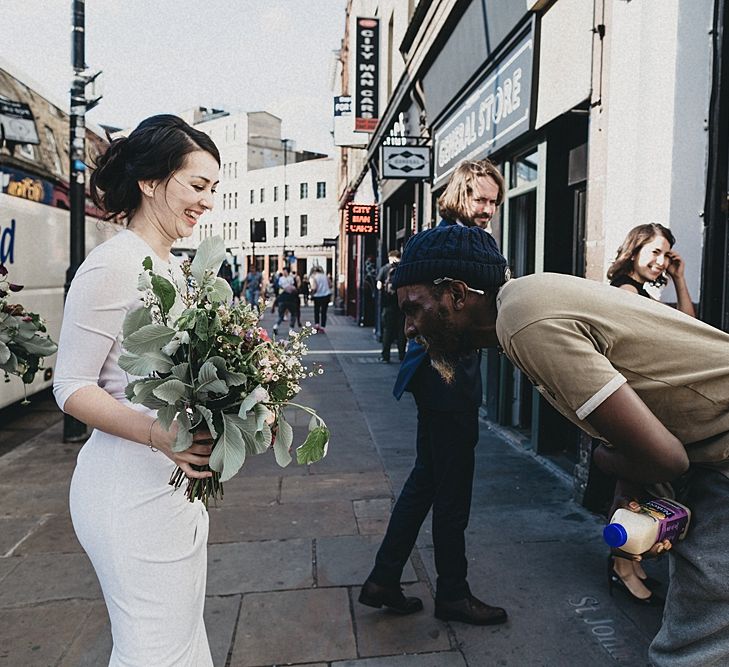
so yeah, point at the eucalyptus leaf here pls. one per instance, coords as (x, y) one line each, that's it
(42, 346)
(181, 372)
(150, 338)
(209, 381)
(282, 444)
(208, 416)
(314, 447)
(146, 364)
(166, 416)
(171, 391)
(231, 378)
(209, 256)
(147, 263)
(262, 414)
(184, 437)
(258, 395)
(229, 452)
(314, 422)
(219, 291)
(165, 292)
(11, 365)
(263, 438)
(4, 353)
(135, 320)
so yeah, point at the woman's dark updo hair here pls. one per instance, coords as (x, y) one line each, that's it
(152, 152)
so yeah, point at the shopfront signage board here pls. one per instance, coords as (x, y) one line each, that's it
(367, 72)
(362, 219)
(496, 112)
(406, 162)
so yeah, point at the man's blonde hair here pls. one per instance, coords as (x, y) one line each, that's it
(453, 203)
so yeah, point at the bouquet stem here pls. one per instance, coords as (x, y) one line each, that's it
(199, 489)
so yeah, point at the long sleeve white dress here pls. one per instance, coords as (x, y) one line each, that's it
(147, 544)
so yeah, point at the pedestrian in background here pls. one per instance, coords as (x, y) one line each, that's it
(645, 256)
(321, 292)
(148, 546)
(442, 477)
(253, 281)
(391, 319)
(286, 300)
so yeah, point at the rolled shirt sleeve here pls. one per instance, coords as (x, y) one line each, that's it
(565, 360)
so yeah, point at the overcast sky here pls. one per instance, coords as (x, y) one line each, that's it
(169, 55)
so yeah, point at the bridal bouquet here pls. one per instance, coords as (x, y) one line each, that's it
(22, 343)
(207, 363)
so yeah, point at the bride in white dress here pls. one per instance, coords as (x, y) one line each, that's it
(147, 544)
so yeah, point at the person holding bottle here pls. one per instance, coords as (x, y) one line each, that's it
(646, 256)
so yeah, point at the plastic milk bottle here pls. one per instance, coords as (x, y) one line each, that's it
(658, 519)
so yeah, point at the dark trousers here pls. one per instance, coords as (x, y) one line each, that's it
(321, 304)
(393, 329)
(442, 478)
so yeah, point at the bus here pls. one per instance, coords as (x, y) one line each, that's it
(34, 211)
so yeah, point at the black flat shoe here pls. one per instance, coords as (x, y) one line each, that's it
(374, 595)
(470, 610)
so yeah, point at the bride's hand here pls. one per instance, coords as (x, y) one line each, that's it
(197, 454)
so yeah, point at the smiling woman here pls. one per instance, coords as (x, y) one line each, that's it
(148, 546)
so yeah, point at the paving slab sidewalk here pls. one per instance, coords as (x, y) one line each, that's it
(289, 549)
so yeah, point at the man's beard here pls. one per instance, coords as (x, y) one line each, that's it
(444, 357)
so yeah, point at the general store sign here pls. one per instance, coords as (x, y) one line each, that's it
(366, 63)
(362, 219)
(406, 162)
(496, 112)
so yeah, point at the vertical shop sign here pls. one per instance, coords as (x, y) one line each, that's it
(367, 54)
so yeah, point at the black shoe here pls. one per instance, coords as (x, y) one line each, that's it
(374, 595)
(470, 610)
(382, 360)
(648, 582)
(614, 580)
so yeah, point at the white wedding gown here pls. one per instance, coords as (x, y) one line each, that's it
(147, 544)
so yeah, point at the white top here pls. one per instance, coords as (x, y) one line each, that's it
(320, 284)
(103, 291)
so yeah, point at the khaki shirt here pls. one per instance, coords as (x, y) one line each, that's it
(578, 341)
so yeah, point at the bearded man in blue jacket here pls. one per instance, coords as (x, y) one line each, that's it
(448, 400)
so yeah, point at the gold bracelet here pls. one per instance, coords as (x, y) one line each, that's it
(149, 437)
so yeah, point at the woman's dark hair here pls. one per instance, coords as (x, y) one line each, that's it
(634, 241)
(152, 152)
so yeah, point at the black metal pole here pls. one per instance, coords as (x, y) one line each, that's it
(73, 429)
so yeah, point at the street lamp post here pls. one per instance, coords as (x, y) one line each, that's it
(73, 429)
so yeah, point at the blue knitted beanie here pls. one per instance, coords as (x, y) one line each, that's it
(463, 253)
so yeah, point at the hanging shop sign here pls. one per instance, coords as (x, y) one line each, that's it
(362, 219)
(406, 162)
(366, 63)
(497, 111)
(344, 134)
(17, 123)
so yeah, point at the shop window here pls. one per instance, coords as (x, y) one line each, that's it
(525, 169)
